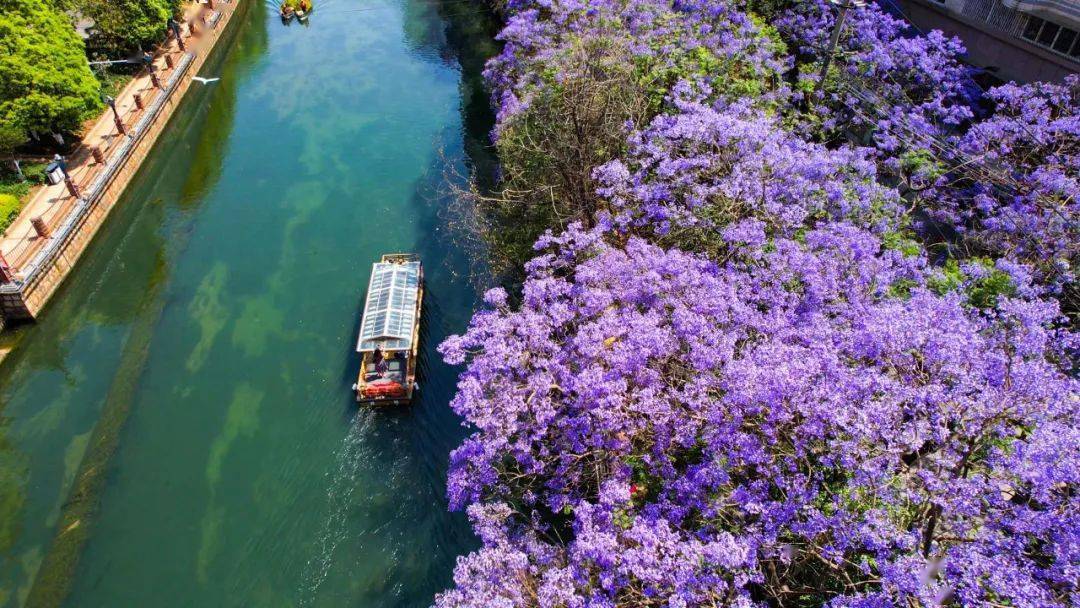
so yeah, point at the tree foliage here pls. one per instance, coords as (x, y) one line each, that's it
(45, 81)
(127, 25)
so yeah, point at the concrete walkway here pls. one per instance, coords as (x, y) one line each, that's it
(50, 205)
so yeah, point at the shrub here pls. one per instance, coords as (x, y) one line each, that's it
(9, 209)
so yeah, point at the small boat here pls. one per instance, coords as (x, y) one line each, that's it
(390, 331)
(303, 10)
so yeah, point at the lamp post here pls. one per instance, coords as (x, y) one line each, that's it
(116, 115)
(845, 6)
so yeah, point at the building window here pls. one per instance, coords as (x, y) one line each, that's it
(1050, 35)
(1065, 41)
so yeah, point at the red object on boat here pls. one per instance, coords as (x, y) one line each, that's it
(388, 389)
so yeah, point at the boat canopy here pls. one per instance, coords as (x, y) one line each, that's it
(390, 310)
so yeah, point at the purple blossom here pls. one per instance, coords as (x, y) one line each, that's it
(733, 390)
(680, 432)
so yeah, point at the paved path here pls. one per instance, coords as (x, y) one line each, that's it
(52, 203)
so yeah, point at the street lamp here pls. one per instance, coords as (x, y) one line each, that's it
(116, 116)
(109, 101)
(845, 6)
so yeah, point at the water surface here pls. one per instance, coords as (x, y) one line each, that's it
(210, 332)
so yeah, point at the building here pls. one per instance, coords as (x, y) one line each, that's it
(1021, 40)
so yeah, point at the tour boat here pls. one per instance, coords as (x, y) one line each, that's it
(390, 331)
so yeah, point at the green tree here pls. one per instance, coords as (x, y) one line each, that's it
(11, 137)
(127, 25)
(45, 81)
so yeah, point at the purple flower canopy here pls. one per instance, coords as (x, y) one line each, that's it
(749, 385)
(704, 167)
(652, 425)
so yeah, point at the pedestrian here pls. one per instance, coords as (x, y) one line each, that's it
(174, 27)
(148, 60)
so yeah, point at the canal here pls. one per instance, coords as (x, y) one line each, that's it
(178, 430)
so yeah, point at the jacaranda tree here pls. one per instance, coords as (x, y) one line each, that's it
(759, 378)
(657, 430)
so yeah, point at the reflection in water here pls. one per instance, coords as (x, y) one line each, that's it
(13, 470)
(218, 111)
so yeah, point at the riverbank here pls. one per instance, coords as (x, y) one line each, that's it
(52, 581)
(56, 225)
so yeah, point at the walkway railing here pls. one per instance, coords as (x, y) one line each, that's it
(69, 220)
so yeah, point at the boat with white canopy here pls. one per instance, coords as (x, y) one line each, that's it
(390, 331)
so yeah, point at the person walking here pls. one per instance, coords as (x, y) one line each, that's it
(174, 27)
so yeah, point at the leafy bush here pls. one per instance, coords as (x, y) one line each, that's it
(124, 26)
(9, 209)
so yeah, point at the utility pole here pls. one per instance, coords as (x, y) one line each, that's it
(845, 6)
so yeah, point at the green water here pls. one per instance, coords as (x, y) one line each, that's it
(197, 365)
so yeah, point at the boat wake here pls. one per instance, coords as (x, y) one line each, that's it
(342, 482)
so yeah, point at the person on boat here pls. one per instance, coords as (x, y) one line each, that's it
(382, 367)
(377, 355)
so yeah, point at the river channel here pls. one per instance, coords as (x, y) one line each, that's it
(178, 429)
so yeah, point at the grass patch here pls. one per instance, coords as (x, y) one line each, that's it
(13, 191)
(9, 209)
(112, 82)
(11, 202)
